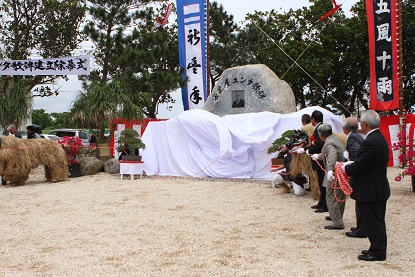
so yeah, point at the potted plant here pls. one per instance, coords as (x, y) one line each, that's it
(72, 145)
(129, 144)
(281, 141)
(407, 144)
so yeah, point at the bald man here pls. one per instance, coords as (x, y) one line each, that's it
(369, 180)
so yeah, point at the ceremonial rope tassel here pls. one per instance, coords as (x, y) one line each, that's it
(341, 181)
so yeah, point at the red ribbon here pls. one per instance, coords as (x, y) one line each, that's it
(335, 8)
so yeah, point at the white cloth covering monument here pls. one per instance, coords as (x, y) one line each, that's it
(248, 109)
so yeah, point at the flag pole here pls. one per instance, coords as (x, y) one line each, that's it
(207, 49)
(402, 123)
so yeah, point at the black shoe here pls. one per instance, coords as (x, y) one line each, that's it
(331, 227)
(365, 252)
(316, 206)
(328, 218)
(355, 235)
(321, 210)
(353, 229)
(369, 258)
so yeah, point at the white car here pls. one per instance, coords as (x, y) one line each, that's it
(82, 134)
(47, 136)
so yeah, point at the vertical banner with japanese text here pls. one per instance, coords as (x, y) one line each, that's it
(191, 17)
(382, 18)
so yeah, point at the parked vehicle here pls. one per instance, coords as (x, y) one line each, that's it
(47, 136)
(23, 134)
(82, 134)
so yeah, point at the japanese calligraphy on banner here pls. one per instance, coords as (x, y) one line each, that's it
(79, 65)
(382, 20)
(192, 51)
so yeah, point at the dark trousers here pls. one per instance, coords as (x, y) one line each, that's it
(359, 228)
(373, 222)
(322, 201)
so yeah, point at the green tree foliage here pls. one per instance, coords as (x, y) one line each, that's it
(98, 106)
(222, 41)
(40, 117)
(61, 120)
(332, 55)
(281, 141)
(150, 64)
(137, 67)
(48, 29)
(52, 121)
(408, 27)
(300, 49)
(107, 26)
(129, 141)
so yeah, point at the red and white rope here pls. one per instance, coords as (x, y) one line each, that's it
(341, 181)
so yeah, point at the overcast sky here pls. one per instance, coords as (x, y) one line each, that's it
(238, 8)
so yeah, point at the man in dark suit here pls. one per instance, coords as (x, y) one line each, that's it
(354, 140)
(305, 119)
(370, 185)
(315, 148)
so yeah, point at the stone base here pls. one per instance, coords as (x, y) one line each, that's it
(105, 158)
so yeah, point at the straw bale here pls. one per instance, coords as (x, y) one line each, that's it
(14, 160)
(19, 156)
(342, 137)
(51, 154)
(309, 130)
(304, 162)
(302, 165)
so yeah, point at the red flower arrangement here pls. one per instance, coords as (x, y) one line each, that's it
(407, 156)
(71, 145)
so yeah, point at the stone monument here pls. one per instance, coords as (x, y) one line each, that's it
(250, 89)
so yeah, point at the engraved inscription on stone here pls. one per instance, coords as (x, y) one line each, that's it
(250, 89)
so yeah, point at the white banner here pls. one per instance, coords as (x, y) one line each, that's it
(76, 65)
(192, 51)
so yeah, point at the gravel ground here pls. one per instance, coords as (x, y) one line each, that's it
(165, 226)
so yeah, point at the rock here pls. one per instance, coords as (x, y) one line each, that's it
(90, 165)
(112, 166)
(256, 86)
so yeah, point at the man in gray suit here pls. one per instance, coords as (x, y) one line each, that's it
(331, 153)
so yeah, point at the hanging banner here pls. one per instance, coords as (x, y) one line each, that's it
(192, 51)
(382, 18)
(77, 65)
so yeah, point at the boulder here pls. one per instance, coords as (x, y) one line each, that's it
(90, 165)
(112, 166)
(250, 89)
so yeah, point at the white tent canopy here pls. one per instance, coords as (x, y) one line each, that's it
(198, 143)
